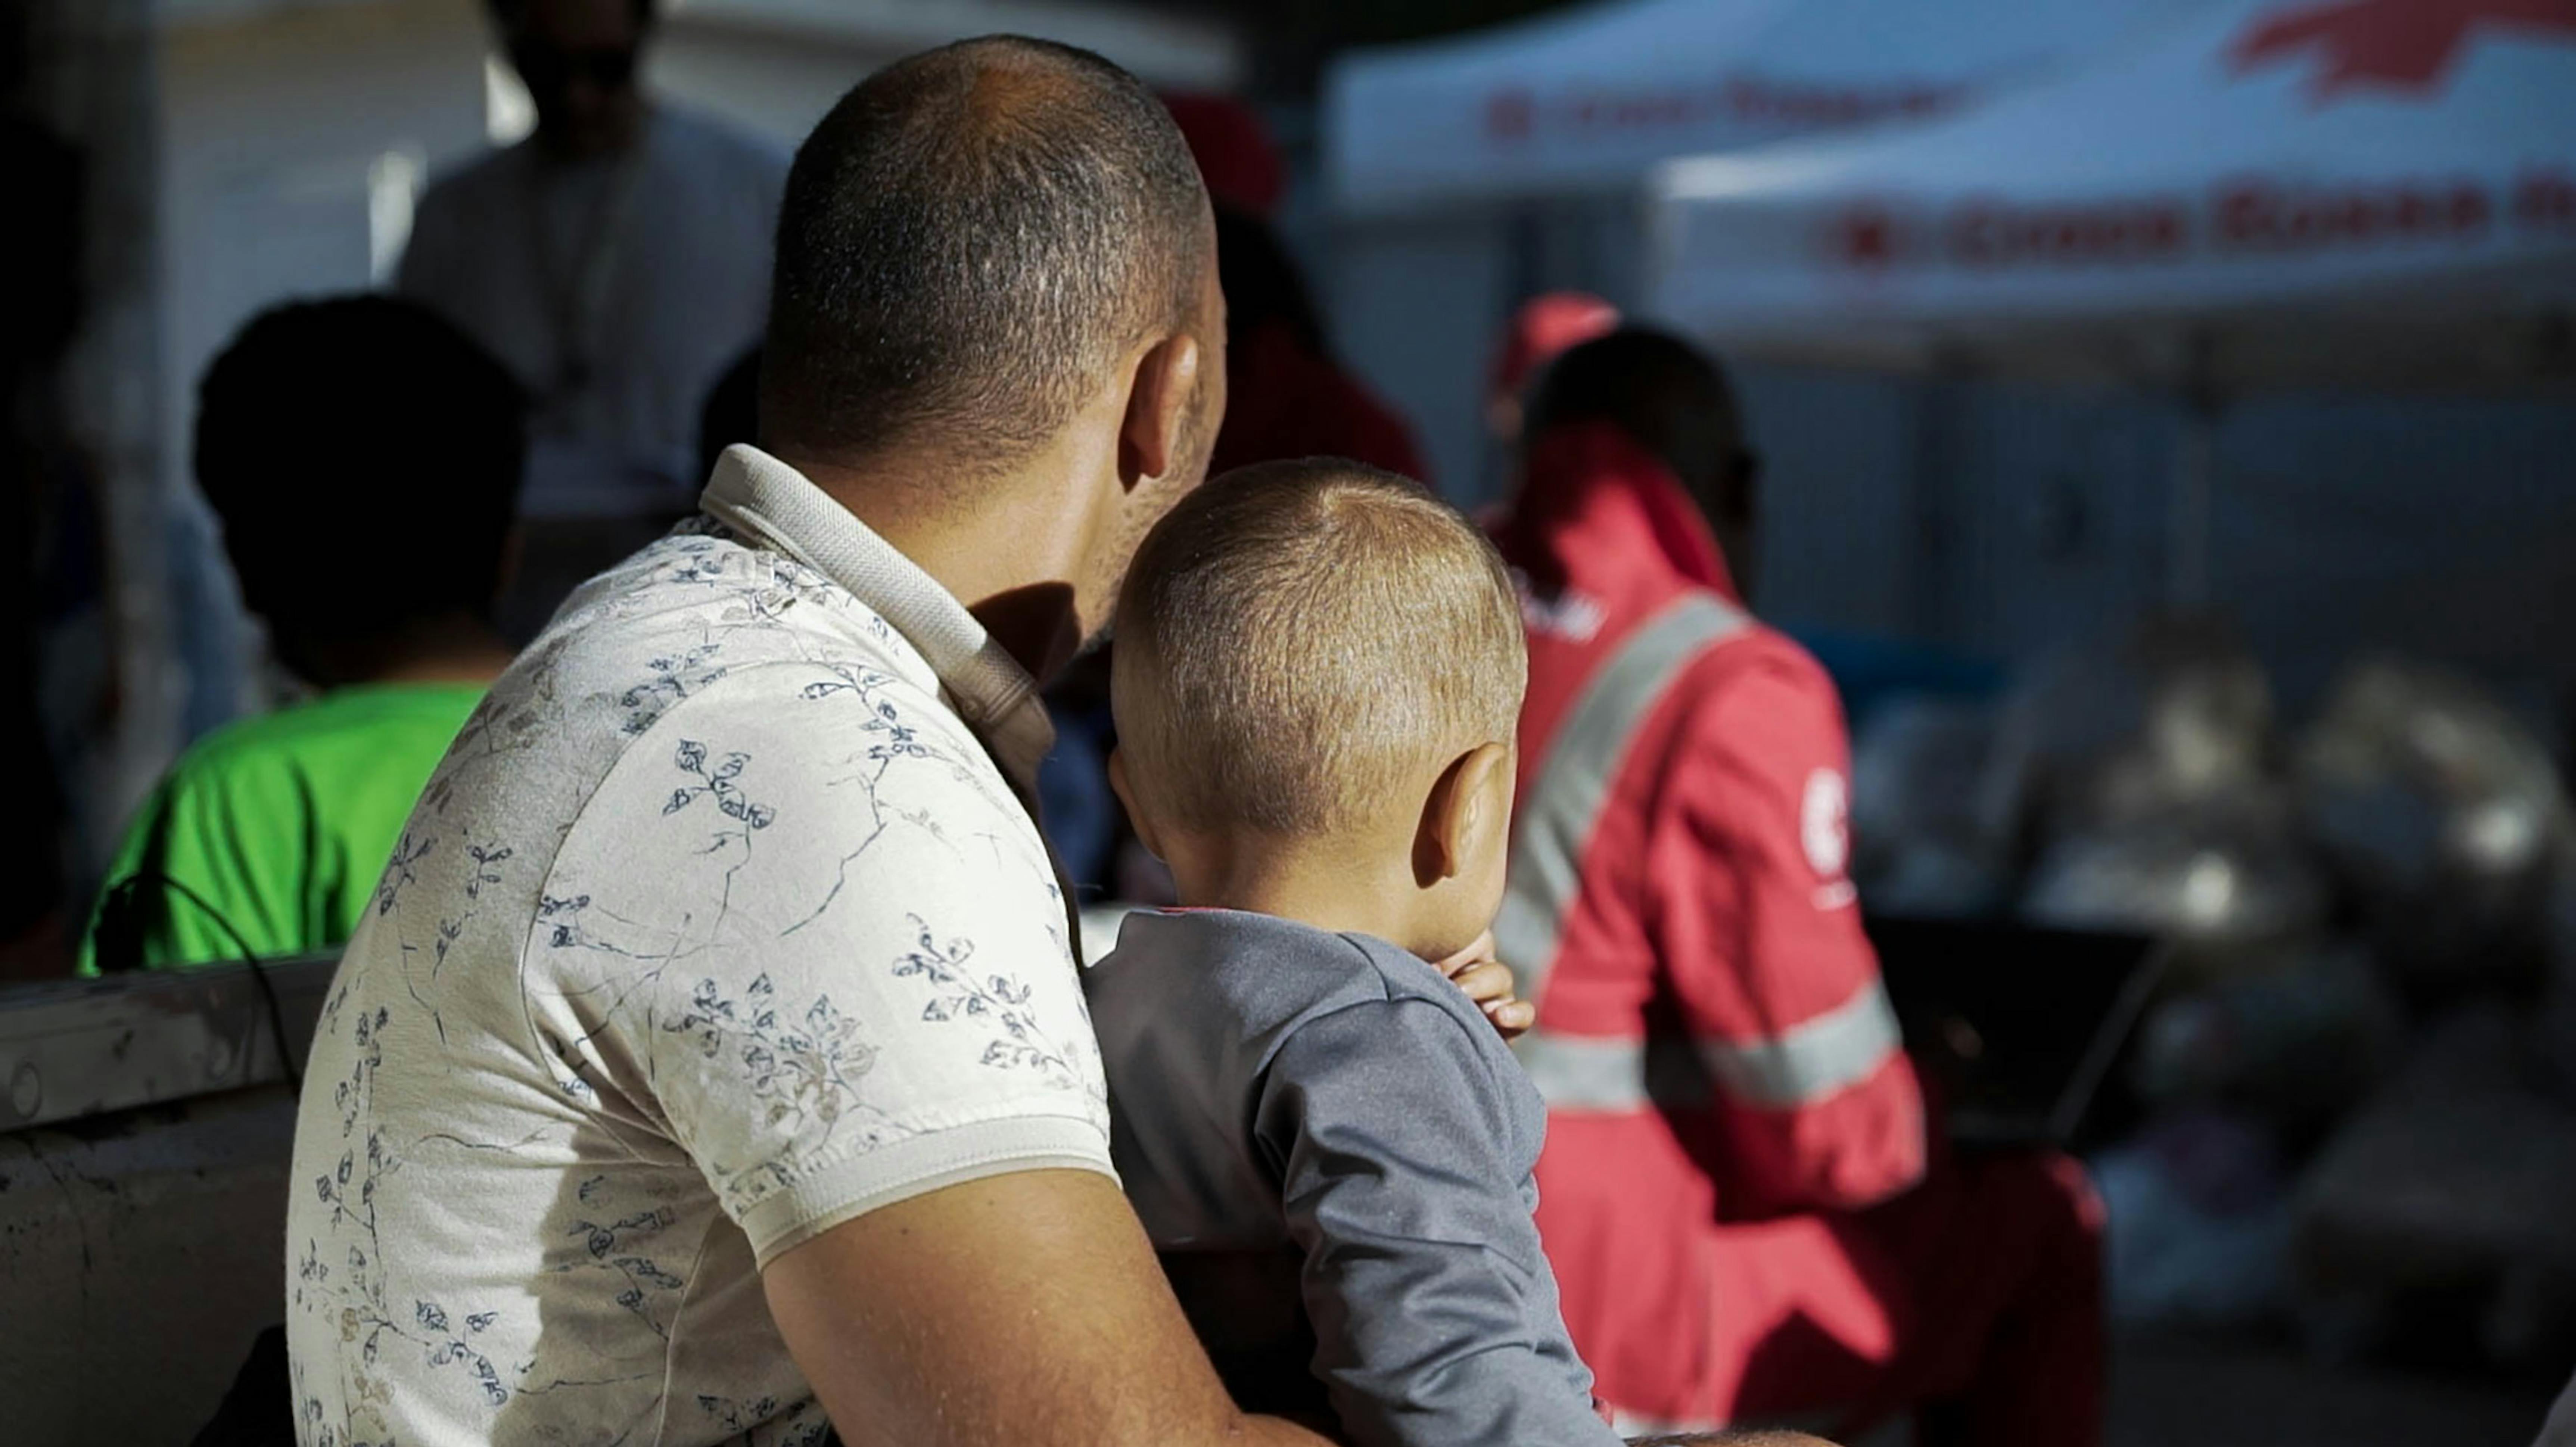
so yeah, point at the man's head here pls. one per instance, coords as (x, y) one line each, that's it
(996, 271)
(1671, 399)
(1320, 656)
(578, 59)
(364, 457)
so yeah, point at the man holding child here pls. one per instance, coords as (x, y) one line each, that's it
(712, 1066)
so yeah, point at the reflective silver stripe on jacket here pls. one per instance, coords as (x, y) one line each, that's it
(1613, 1076)
(1813, 1059)
(1802, 1064)
(1806, 1062)
(1556, 816)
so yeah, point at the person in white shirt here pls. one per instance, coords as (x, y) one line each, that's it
(616, 260)
(712, 1067)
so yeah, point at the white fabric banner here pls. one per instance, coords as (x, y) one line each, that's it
(1590, 100)
(2274, 191)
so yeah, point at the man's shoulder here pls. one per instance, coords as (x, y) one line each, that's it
(705, 654)
(704, 603)
(698, 638)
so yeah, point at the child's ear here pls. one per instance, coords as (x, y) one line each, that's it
(1466, 801)
(1136, 818)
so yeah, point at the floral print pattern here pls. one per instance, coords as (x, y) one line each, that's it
(709, 857)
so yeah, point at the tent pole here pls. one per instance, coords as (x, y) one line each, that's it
(2191, 547)
(2193, 503)
(1926, 508)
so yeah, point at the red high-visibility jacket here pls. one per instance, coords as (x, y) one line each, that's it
(1714, 1041)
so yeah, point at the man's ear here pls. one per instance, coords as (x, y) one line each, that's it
(1158, 404)
(1136, 818)
(1461, 808)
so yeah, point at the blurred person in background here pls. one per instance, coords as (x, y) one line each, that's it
(1543, 328)
(1758, 1227)
(364, 458)
(617, 262)
(1292, 397)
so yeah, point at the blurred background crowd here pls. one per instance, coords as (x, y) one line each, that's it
(2166, 436)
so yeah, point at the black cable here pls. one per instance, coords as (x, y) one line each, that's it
(118, 910)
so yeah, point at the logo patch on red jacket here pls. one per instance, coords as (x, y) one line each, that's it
(1824, 826)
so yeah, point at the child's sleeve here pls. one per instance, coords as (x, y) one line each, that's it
(1402, 1173)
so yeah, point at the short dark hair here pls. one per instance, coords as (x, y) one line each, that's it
(364, 457)
(967, 242)
(1263, 286)
(1667, 395)
(506, 13)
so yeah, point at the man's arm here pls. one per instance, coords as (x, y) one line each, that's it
(1024, 1308)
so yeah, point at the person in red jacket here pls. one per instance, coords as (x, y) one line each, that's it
(1747, 1214)
(1540, 330)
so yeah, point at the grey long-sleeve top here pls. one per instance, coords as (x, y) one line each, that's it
(1320, 1132)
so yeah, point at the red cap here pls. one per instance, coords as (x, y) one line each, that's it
(1544, 327)
(1234, 150)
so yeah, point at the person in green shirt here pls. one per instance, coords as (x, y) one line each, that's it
(364, 457)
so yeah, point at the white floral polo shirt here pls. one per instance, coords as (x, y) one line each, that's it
(723, 922)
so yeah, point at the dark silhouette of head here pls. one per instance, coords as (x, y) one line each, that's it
(364, 457)
(1671, 399)
(1263, 286)
(972, 241)
(578, 59)
(1540, 331)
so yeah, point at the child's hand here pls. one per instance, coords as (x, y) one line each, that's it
(1488, 982)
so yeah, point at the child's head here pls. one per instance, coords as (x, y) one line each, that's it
(1320, 661)
(364, 457)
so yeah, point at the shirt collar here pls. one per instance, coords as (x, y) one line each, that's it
(761, 497)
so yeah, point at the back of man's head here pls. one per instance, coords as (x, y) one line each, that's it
(1666, 395)
(970, 241)
(364, 457)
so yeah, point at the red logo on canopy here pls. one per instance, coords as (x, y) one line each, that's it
(2403, 44)
(1509, 115)
(1867, 236)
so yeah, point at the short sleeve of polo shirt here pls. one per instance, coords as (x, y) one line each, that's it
(803, 933)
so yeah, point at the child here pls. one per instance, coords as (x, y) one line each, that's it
(364, 457)
(1317, 675)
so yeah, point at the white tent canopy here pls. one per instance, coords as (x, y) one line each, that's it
(2275, 191)
(1592, 99)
